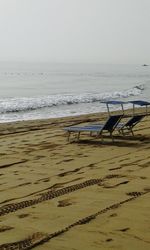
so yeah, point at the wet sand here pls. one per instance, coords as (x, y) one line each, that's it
(89, 195)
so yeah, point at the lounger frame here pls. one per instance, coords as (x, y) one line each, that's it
(109, 126)
(128, 126)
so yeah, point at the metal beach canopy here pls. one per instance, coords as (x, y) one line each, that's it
(140, 103)
(136, 102)
(114, 103)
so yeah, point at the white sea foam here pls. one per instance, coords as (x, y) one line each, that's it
(22, 104)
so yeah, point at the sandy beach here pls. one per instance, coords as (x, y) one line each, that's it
(69, 196)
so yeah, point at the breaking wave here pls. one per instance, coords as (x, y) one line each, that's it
(22, 104)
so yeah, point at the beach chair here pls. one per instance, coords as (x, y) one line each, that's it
(128, 126)
(109, 126)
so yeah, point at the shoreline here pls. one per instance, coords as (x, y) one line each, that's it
(101, 115)
(54, 194)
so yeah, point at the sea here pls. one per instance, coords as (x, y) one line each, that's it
(31, 91)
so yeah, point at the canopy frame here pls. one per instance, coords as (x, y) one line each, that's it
(114, 103)
(140, 103)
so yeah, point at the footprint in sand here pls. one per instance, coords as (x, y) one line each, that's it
(124, 229)
(23, 215)
(64, 203)
(5, 228)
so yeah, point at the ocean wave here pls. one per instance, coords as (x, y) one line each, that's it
(22, 104)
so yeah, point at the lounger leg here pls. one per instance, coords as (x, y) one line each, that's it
(112, 137)
(122, 132)
(132, 132)
(100, 135)
(68, 139)
(78, 136)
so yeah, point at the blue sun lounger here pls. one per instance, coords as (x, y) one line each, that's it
(128, 126)
(109, 126)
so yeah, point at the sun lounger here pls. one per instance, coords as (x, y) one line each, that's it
(109, 126)
(128, 126)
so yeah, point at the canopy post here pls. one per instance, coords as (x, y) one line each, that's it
(122, 108)
(146, 110)
(133, 109)
(108, 108)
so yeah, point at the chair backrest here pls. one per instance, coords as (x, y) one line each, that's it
(112, 122)
(134, 120)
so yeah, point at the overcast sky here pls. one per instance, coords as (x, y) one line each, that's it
(100, 31)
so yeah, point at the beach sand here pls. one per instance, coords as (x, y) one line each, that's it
(59, 195)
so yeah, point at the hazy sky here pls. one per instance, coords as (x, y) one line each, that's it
(101, 31)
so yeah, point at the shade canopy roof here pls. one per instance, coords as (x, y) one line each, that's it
(114, 102)
(136, 102)
(140, 102)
